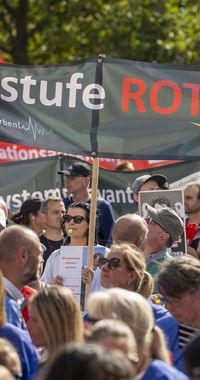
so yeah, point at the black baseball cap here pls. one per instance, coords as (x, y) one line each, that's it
(77, 169)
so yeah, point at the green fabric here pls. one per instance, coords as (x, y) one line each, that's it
(154, 266)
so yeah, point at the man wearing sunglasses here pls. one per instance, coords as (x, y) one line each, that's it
(78, 179)
(165, 227)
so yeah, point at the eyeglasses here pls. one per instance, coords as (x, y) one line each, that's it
(112, 263)
(176, 300)
(77, 218)
(149, 220)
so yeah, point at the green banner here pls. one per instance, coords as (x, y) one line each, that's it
(112, 107)
(39, 177)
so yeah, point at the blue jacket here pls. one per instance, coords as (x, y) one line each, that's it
(158, 370)
(13, 313)
(20, 339)
(169, 326)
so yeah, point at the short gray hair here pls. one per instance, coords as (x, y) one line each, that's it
(179, 275)
(46, 201)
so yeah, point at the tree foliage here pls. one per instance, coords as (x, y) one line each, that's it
(56, 31)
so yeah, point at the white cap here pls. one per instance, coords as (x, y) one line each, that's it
(2, 218)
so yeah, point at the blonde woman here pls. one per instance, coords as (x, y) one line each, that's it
(5, 374)
(9, 358)
(55, 319)
(125, 267)
(115, 336)
(135, 311)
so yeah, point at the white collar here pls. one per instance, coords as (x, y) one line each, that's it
(12, 290)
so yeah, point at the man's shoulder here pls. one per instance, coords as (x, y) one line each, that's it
(43, 239)
(22, 342)
(68, 201)
(55, 254)
(103, 202)
(161, 370)
(10, 301)
(10, 330)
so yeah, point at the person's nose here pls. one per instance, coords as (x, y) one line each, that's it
(60, 215)
(68, 179)
(105, 267)
(71, 223)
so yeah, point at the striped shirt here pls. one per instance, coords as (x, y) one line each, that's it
(186, 334)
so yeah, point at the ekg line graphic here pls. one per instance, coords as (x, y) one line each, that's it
(36, 130)
(30, 126)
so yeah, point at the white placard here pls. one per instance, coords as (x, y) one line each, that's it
(72, 260)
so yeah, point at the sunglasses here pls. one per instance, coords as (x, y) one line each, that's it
(77, 218)
(112, 263)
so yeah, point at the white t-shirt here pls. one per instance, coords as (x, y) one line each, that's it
(53, 263)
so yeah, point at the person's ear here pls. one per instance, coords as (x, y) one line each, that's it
(164, 236)
(44, 217)
(87, 232)
(31, 216)
(132, 277)
(22, 253)
(136, 198)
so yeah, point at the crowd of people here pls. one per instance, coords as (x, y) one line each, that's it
(152, 295)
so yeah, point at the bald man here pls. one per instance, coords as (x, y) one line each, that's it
(20, 253)
(131, 228)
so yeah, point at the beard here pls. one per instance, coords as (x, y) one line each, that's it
(31, 272)
(30, 277)
(192, 210)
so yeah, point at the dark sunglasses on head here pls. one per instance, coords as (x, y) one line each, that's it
(77, 218)
(112, 263)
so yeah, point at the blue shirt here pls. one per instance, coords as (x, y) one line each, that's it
(13, 313)
(20, 339)
(159, 370)
(169, 326)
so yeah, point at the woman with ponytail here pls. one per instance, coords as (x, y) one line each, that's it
(125, 268)
(31, 216)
